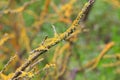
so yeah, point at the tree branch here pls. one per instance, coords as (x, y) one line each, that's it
(46, 46)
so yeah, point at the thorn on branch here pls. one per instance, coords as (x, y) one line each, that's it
(41, 46)
(44, 40)
(55, 32)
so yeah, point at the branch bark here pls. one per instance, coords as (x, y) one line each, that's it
(46, 46)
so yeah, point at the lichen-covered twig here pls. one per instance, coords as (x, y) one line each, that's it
(34, 64)
(41, 20)
(44, 48)
(5, 38)
(113, 64)
(117, 56)
(8, 63)
(107, 47)
(17, 10)
(94, 62)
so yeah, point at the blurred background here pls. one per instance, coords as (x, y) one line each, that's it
(25, 23)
